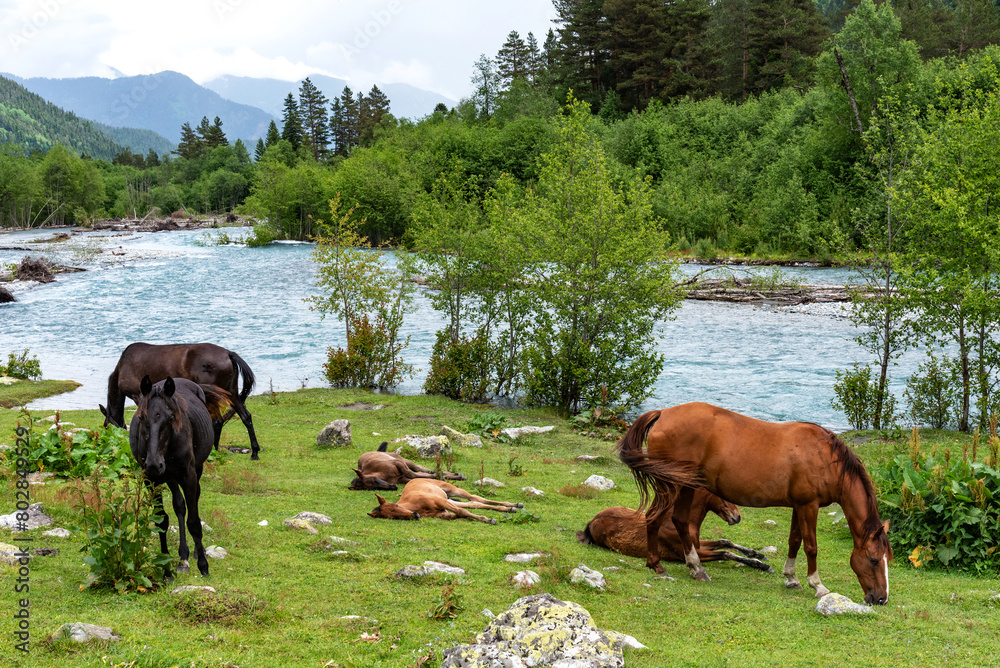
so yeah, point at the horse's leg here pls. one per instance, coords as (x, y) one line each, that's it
(484, 506)
(689, 544)
(655, 515)
(192, 491)
(217, 426)
(722, 555)
(244, 414)
(794, 540)
(807, 527)
(179, 510)
(723, 544)
(462, 512)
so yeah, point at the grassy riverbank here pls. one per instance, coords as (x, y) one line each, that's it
(22, 392)
(282, 596)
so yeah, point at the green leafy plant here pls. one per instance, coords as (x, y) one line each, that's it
(461, 368)
(514, 469)
(519, 517)
(77, 454)
(118, 531)
(372, 358)
(933, 392)
(489, 424)
(856, 395)
(20, 366)
(448, 605)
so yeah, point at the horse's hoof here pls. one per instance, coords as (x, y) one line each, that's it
(184, 567)
(519, 505)
(793, 585)
(768, 569)
(493, 520)
(821, 592)
(658, 569)
(254, 457)
(702, 577)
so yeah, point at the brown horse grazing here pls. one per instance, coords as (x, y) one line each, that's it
(757, 464)
(624, 530)
(433, 498)
(171, 437)
(384, 470)
(203, 363)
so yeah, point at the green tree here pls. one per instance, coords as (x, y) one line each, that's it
(372, 109)
(190, 146)
(512, 60)
(312, 115)
(273, 136)
(599, 277)
(291, 122)
(486, 86)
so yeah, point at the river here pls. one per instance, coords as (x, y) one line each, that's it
(775, 363)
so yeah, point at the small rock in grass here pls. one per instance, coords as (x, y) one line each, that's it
(522, 557)
(517, 432)
(58, 532)
(183, 589)
(314, 518)
(526, 579)
(584, 574)
(301, 525)
(599, 482)
(80, 632)
(533, 491)
(838, 604)
(489, 482)
(216, 552)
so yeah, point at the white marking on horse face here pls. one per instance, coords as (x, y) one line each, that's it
(885, 562)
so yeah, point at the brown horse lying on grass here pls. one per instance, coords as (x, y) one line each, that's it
(433, 498)
(624, 530)
(384, 470)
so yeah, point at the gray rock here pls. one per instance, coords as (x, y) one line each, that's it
(427, 447)
(462, 440)
(334, 540)
(262, 523)
(301, 525)
(428, 568)
(336, 434)
(599, 482)
(313, 518)
(540, 630)
(588, 576)
(489, 482)
(517, 432)
(838, 604)
(11, 554)
(183, 589)
(770, 549)
(39, 476)
(526, 579)
(58, 532)
(523, 557)
(533, 491)
(216, 552)
(586, 458)
(80, 632)
(36, 518)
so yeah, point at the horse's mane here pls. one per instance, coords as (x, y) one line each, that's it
(853, 470)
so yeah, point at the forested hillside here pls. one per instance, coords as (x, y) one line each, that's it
(31, 123)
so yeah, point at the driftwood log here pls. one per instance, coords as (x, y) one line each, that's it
(748, 291)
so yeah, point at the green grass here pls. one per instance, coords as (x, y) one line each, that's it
(25, 391)
(281, 596)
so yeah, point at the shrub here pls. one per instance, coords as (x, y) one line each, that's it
(933, 393)
(705, 250)
(372, 358)
(461, 368)
(489, 423)
(19, 366)
(78, 454)
(944, 509)
(856, 394)
(116, 523)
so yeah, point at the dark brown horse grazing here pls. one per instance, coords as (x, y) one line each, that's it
(385, 470)
(203, 363)
(757, 464)
(171, 437)
(624, 530)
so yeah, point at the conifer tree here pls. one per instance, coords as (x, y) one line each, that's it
(273, 136)
(344, 122)
(190, 146)
(371, 110)
(258, 151)
(512, 60)
(211, 133)
(291, 122)
(315, 125)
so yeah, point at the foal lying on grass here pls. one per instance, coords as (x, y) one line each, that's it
(624, 530)
(424, 497)
(384, 470)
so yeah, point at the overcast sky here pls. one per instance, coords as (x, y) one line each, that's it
(429, 44)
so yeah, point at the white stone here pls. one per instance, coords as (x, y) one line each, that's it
(11, 554)
(517, 432)
(586, 458)
(489, 482)
(58, 532)
(523, 557)
(599, 482)
(771, 522)
(532, 491)
(81, 632)
(183, 589)
(427, 447)
(36, 518)
(216, 552)
(584, 574)
(770, 549)
(838, 604)
(335, 434)
(293, 523)
(314, 518)
(526, 579)
(343, 541)
(428, 568)
(262, 523)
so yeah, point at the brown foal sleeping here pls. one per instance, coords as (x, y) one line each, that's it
(384, 470)
(434, 498)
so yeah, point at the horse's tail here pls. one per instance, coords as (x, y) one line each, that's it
(248, 377)
(662, 477)
(217, 401)
(585, 537)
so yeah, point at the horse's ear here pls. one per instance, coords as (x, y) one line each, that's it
(104, 411)
(381, 501)
(360, 474)
(168, 387)
(383, 446)
(146, 386)
(885, 527)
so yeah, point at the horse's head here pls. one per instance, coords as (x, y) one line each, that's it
(108, 420)
(157, 422)
(870, 561)
(391, 511)
(724, 509)
(369, 482)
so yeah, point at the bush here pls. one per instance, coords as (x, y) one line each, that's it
(943, 510)
(461, 368)
(372, 359)
(118, 533)
(19, 366)
(933, 393)
(705, 250)
(78, 454)
(856, 394)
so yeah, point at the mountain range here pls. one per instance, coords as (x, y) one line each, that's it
(163, 102)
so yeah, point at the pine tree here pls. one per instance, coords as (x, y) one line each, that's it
(686, 54)
(582, 53)
(291, 123)
(636, 47)
(152, 159)
(190, 146)
(512, 60)
(259, 150)
(273, 136)
(315, 125)
(371, 110)
(351, 112)
(211, 134)
(533, 59)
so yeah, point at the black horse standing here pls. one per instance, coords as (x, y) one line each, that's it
(171, 437)
(202, 363)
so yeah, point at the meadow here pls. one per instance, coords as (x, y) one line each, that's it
(282, 596)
